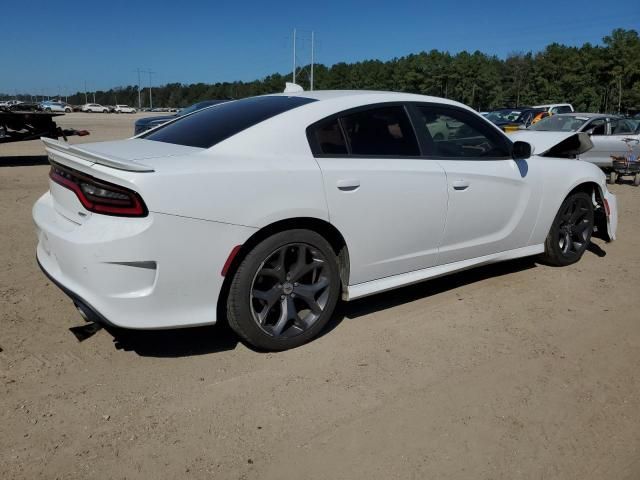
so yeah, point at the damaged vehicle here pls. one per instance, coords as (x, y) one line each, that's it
(608, 134)
(265, 211)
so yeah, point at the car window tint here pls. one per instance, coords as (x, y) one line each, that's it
(621, 127)
(210, 126)
(383, 131)
(328, 138)
(597, 127)
(452, 133)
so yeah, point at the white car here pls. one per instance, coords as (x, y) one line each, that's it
(55, 106)
(608, 134)
(124, 109)
(269, 209)
(94, 107)
(555, 108)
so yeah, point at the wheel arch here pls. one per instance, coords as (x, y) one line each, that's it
(593, 189)
(321, 227)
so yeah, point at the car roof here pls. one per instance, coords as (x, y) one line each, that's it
(376, 95)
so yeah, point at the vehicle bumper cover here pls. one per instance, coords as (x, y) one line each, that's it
(612, 215)
(160, 271)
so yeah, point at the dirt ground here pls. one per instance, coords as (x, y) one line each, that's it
(514, 371)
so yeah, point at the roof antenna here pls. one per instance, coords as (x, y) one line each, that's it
(292, 88)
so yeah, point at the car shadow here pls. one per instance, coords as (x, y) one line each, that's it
(24, 161)
(596, 250)
(393, 298)
(184, 342)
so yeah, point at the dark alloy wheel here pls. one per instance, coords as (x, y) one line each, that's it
(284, 291)
(571, 231)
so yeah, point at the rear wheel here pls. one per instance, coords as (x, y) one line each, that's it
(284, 291)
(613, 176)
(636, 180)
(570, 232)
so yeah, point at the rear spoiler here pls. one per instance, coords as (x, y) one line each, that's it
(554, 144)
(56, 147)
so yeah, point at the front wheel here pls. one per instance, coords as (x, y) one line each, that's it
(570, 232)
(613, 177)
(284, 291)
(636, 180)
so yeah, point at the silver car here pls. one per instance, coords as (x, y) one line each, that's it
(607, 132)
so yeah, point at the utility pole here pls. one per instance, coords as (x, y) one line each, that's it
(293, 75)
(85, 93)
(150, 98)
(139, 92)
(312, 38)
(619, 93)
(94, 96)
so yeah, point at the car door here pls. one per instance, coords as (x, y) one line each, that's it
(388, 203)
(604, 144)
(493, 199)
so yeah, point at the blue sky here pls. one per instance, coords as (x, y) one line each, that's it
(56, 46)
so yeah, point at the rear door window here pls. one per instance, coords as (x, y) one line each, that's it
(210, 126)
(382, 131)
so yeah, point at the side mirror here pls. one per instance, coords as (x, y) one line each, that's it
(521, 150)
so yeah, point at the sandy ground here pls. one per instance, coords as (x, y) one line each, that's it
(515, 371)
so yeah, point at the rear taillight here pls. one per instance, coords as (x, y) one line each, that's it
(99, 196)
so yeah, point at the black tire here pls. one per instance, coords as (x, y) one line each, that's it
(613, 176)
(67, 110)
(636, 180)
(270, 270)
(570, 231)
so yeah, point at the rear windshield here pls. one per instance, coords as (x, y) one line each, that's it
(559, 123)
(210, 126)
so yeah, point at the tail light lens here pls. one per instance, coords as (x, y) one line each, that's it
(99, 196)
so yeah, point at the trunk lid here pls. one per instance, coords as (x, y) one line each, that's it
(125, 157)
(131, 155)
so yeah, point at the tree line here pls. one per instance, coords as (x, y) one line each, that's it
(594, 78)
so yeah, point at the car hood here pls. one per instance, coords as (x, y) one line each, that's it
(554, 144)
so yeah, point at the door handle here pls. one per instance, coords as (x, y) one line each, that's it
(348, 185)
(460, 184)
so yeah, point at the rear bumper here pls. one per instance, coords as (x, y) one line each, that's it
(161, 271)
(81, 304)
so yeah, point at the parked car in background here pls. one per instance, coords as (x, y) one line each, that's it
(514, 119)
(94, 107)
(146, 123)
(272, 208)
(56, 106)
(124, 109)
(607, 133)
(10, 103)
(555, 108)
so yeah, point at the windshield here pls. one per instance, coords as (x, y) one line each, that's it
(503, 115)
(559, 123)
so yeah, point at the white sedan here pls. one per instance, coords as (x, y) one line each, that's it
(265, 211)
